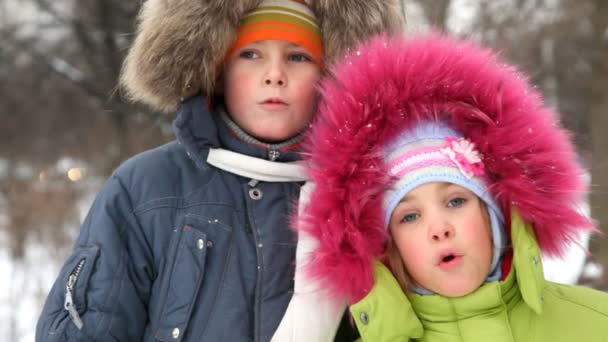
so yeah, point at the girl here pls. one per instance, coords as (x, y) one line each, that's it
(434, 156)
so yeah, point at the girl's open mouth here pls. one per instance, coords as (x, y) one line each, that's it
(450, 261)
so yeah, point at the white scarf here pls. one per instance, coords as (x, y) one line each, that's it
(312, 315)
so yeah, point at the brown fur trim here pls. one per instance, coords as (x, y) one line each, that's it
(344, 23)
(180, 44)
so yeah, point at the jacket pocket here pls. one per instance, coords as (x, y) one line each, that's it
(74, 281)
(186, 277)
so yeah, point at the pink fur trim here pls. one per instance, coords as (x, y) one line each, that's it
(389, 84)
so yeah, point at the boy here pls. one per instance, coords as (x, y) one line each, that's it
(190, 241)
(436, 155)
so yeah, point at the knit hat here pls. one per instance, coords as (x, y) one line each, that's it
(180, 45)
(433, 152)
(289, 20)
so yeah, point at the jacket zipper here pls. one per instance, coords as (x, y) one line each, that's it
(258, 290)
(69, 304)
(273, 155)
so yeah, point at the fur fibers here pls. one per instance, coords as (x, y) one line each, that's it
(390, 83)
(180, 45)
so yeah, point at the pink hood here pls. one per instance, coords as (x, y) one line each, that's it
(390, 83)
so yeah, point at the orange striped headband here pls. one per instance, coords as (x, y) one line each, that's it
(289, 20)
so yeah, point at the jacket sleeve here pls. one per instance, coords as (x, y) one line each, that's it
(102, 290)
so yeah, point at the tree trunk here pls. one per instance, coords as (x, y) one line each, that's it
(599, 136)
(436, 12)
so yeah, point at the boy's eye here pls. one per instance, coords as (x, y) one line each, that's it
(299, 57)
(248, 54)
(409, 218)
(456, 202)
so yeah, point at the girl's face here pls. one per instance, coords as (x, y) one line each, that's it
(270, 89)
(442, 232)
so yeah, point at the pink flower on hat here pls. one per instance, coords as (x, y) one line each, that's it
(463, 153)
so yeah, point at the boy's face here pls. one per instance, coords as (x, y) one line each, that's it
(442, 232)
(270, 89)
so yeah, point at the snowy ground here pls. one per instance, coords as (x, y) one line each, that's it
(25, 284)
(23, 289)
(570, 268)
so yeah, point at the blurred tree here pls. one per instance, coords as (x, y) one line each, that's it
(60, 62)
(436, 13)
(599, 126)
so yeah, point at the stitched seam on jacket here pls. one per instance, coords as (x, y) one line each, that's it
(220, 287)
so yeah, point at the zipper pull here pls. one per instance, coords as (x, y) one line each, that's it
(273, 155)
(69, 303)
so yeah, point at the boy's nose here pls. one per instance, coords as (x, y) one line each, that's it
(275, 75)
(270, 81)
(441, 231)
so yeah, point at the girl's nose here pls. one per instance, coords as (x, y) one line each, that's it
(441, 231)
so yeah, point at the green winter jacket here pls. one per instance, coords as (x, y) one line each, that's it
(523, 307)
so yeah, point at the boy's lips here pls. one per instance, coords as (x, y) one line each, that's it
(274, 104)
(274, 100)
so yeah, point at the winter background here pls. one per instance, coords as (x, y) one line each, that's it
(65, 127)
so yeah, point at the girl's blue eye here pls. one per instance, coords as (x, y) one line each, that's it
(299, 57)
(248, 54)
(456, 202)
(409, 218)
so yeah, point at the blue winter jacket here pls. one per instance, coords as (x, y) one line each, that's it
(174, 249)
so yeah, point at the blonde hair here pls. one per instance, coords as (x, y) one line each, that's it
(396, 265)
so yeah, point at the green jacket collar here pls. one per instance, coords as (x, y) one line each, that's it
(490, 297)
(527, 264)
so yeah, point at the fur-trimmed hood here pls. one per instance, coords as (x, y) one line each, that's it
(389, 84)
(180, 44)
